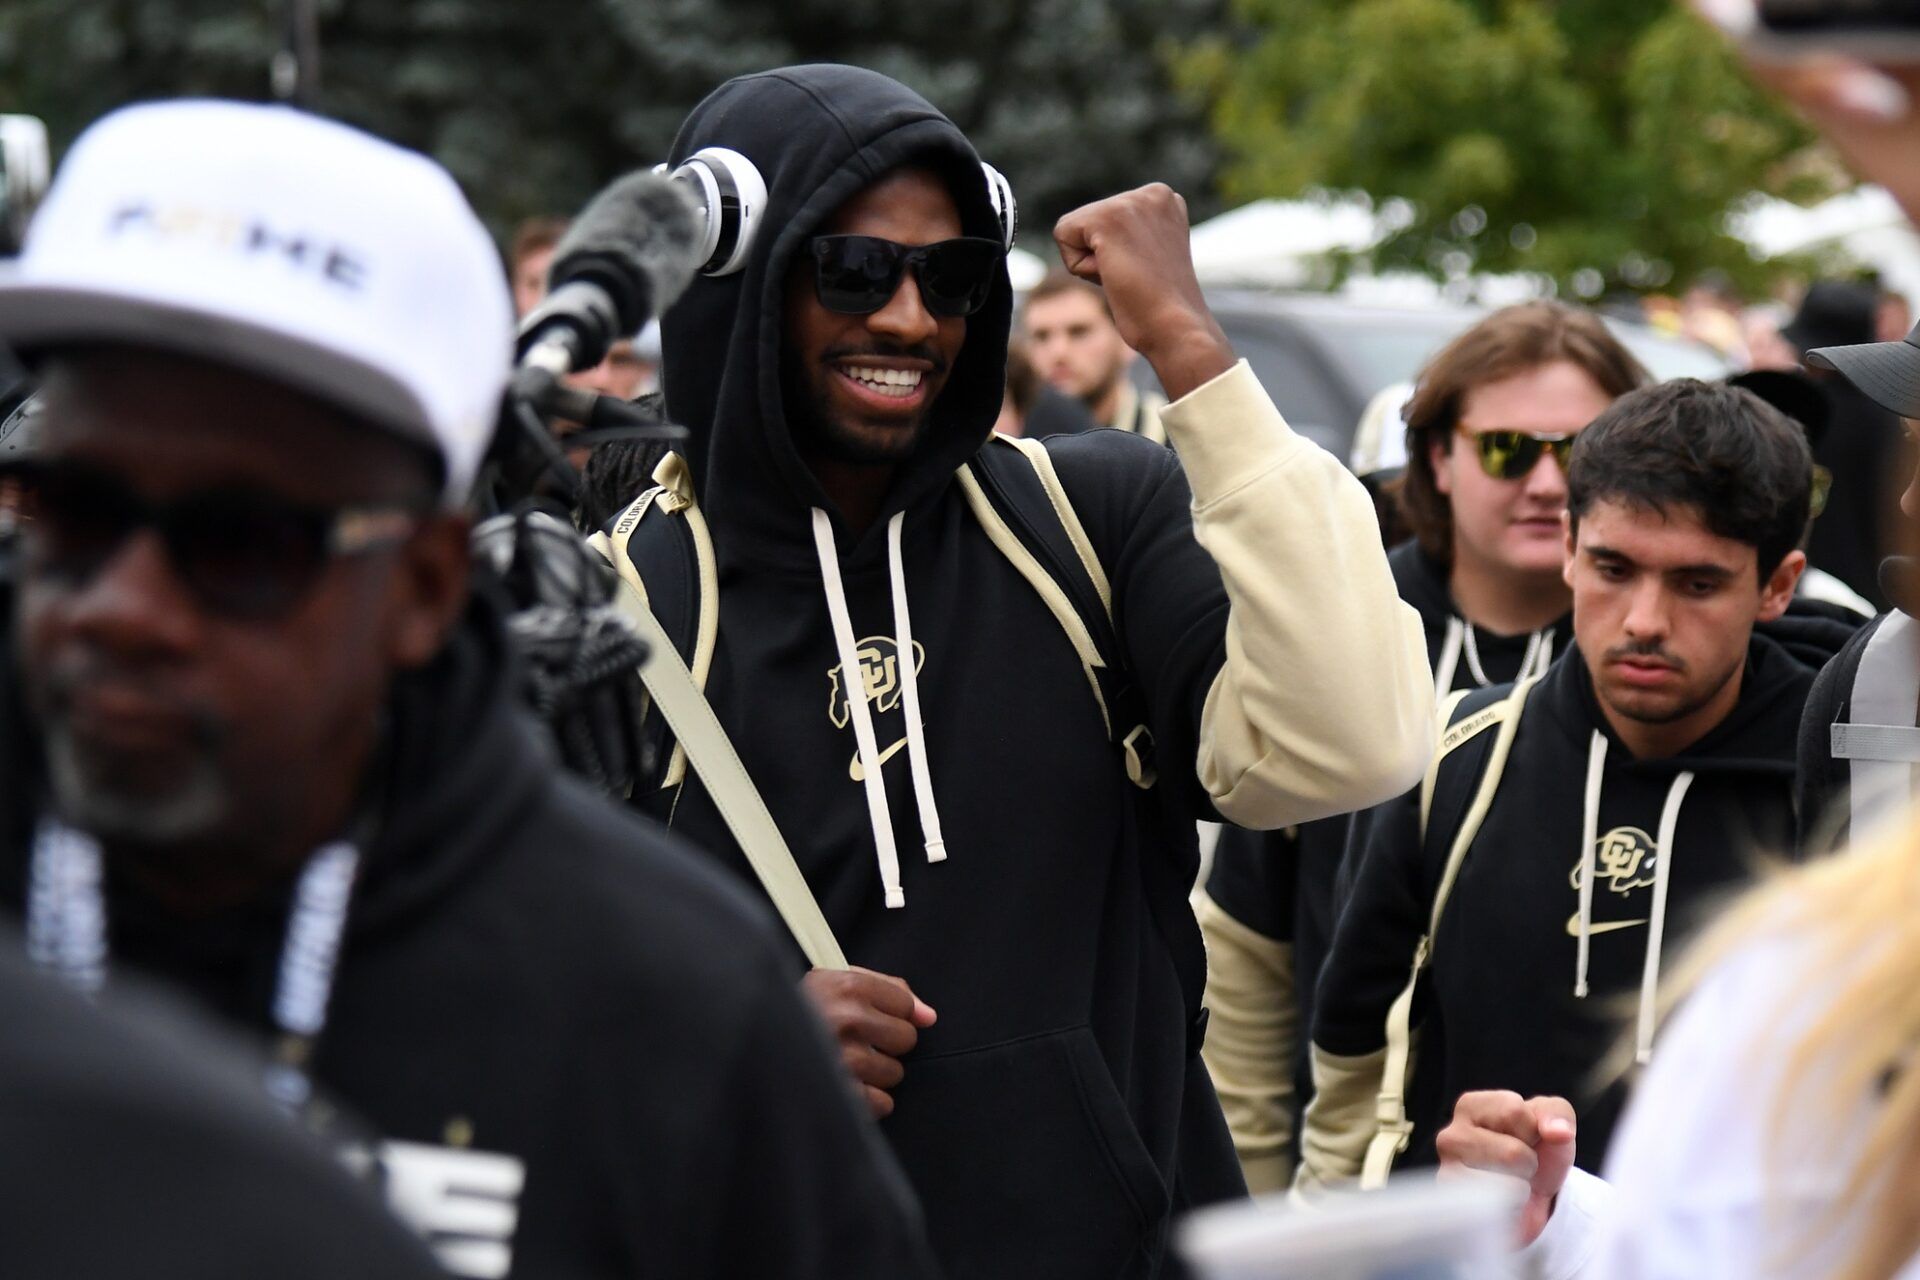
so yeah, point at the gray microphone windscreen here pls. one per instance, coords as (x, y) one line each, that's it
(639, 240)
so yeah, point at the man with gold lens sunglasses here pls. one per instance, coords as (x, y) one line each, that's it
(1509, 455)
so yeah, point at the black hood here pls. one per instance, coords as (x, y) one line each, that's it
(818, 134)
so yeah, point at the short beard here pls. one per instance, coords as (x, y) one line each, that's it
(87, 798)
(818, 434)
(1681, 712)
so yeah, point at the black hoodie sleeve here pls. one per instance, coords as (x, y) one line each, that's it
(1366, 968)
(1384, 913)
(811, 1192)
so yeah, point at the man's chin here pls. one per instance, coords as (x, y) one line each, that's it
(1649, 708)
(144, 801)
(873, 444)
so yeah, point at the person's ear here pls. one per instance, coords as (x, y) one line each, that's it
(1776, 593)
(1566, 552)
(435, 566)
(1440, 458)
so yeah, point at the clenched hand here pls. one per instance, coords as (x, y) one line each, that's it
(1138, 247)
(1526, 1138)
(876, 1019)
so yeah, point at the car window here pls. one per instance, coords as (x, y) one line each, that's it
(1376, 351)
(1300, 388)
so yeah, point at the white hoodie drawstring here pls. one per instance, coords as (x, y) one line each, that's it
(879, 813)
(1544, 637)
(1662, 871)
(855, 691)
(910, 695)
(1589, 837)
(1460, 639)
(1650, 975)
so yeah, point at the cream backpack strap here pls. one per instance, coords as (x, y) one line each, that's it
(695, 727)
(1395, 1132)
(1069, 518)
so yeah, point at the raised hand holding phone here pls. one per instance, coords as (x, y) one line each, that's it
(1866, 109)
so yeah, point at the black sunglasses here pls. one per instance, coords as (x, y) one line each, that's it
(241, 553)
(1509, 455)
(857, 275)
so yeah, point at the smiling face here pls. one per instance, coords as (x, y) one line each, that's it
(861, 389)
(1512, 527)
(1663, 609)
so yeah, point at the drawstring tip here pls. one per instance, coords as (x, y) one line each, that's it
(936, 851)
(1580, 991)
(1643, 1057)
(896, 898)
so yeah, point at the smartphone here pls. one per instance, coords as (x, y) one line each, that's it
(1880, 31)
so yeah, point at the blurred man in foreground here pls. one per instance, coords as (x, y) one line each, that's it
(266, 746)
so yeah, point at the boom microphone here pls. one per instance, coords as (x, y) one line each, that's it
(630, 254)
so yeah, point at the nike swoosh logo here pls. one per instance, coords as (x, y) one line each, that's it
(859, 774)
(1599, 926)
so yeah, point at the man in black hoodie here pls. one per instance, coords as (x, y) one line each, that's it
(1483, 492)
(876, 659)
(264, 746)
(1572, 826)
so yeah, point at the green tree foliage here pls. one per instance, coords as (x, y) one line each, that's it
(1593, 141)
(534, 105)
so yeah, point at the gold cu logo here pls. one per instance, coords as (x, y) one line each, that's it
(1623, 860)
(879, 658)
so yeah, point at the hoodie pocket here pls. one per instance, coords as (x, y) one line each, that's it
(1027, 1162)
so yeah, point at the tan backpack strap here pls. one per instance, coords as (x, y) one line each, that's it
(1395, 1132)
(1069, 519)
(1009, 545)
(696, 728)
(1451, 737)
(673, 494)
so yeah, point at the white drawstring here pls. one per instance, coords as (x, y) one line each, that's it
(910, 695)
(856, 694)
(1460, 639)
(1650, 975)
(1589, 837)
(66, 908)
(1543, 638)
(1449, 659)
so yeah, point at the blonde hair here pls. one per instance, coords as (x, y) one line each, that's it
(1859, 915)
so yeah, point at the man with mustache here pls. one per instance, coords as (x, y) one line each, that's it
(1573, 825)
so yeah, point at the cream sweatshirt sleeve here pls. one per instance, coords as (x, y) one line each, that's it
(1251, 1037)
(1325, 702)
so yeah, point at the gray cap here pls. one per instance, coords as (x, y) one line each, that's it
(1888, 373)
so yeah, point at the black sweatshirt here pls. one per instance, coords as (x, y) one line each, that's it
(537, 987)
(1498, 1008)
(1052, 1119)
(130, 1145)
(1285, 885)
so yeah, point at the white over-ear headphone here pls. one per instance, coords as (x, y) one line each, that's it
(733, 198)
(1000, 195)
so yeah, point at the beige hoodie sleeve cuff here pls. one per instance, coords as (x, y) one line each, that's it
(1252, 1030)
(1340, 1121)
(1325, 702)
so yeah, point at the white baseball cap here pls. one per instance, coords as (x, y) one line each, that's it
(283, 244)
